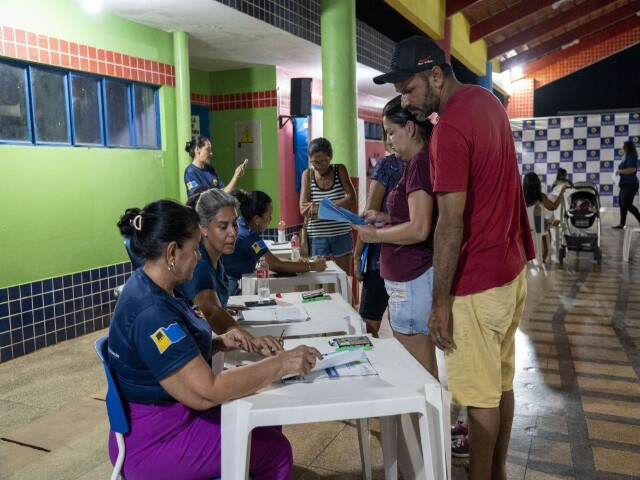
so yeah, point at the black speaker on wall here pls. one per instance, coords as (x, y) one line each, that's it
(300, 97)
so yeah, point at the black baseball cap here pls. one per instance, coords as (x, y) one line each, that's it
(411, 56)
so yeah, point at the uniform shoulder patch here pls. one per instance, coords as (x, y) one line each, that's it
(259, 245)
(164, 337)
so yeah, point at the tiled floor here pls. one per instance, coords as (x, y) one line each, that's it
(577, 391)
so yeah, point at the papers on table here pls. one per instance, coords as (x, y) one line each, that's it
(349, 363)
(328, 211)
(263, 315)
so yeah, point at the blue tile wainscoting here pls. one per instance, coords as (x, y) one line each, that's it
(43, 313)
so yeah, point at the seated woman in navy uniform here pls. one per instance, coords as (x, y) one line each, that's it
(158, 350)
(210, 288)
(256, 209)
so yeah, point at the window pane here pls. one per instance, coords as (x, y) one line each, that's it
(146, 116)
(14, 119)
(50, 106)
(86, 110)
(118, 119)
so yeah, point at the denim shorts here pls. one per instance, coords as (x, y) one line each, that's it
(326, 247)
(410, 304)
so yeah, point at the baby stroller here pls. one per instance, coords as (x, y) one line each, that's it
(580, 225)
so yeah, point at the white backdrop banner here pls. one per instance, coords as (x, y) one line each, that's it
(588, 147)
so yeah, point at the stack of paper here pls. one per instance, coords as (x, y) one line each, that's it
(262, 315)
(348, 363)
(328, 211)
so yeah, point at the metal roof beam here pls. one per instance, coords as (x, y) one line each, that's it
(505, 18)
(577, 33)
(545, 27)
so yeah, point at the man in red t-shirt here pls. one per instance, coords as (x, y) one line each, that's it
(481, 245)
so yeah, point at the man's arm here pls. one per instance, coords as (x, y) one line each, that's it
(447, 241)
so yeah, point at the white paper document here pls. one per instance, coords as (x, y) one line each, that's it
(350, 363)
(263, 315)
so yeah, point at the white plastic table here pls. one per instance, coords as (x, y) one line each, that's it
(402, 386)
(333, 274)
(331, 315)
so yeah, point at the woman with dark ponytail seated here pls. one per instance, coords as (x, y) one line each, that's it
(158, 350)
(201, 172)
(256, 209)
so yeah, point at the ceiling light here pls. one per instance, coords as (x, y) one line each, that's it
(516, 72)
(570, 44)
(92, 6)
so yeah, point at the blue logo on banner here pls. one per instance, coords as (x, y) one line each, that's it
(579, 144)
(593, 177)
(552, 167)
(606, 190)
(593, 132)
(517, 135)
(543, 178)
(541, 157)
(527, 167)
(529, 125)
(528, 146)
(566, 133)
(622, 130)
(617, 154)
(606, 142)
(566, 156)
(593, 155)
(607, 119)
(554, 122)
(606, 166)
(580, 121)
(635, 140)
(553, 145)
(579, 167)
(519, 157)
(634, 117)
(541, 134)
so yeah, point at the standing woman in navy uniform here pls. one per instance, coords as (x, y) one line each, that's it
(201, 172)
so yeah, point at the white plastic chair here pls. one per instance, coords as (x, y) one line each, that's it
(626, 245)
(538, 230)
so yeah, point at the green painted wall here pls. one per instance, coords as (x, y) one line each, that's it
(222, 127)
(59, 205)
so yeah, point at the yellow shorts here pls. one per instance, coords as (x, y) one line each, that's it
(483, 326)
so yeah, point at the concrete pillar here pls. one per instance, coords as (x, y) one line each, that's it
(339, 93)
(183, 103)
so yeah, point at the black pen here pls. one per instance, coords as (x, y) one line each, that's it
(281, 337)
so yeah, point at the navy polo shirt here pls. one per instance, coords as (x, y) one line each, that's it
(249, 248)
(207, 176)
(152, 334)
(630, 178)
(206, 277)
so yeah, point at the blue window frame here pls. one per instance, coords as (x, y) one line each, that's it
(15, 117)
(41, 105)
(50, 106)
(86, 110)
(119, 125)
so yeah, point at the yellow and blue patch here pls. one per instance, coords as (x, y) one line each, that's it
(165, 337)
(259, 245)
(214, 182)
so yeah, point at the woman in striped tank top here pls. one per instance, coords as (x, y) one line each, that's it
(326, 237)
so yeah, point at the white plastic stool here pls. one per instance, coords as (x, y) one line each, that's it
(626, 245)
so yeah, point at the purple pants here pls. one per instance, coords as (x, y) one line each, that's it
(174, 441)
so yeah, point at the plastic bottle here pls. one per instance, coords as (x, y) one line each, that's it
(295, 246)
(281, 232)
(262, 273)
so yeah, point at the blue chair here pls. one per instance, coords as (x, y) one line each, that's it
(135, 260)
(115, 407)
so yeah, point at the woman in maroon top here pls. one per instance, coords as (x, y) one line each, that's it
(406, 258)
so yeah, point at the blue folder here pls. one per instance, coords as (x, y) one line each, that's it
(328, 211)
